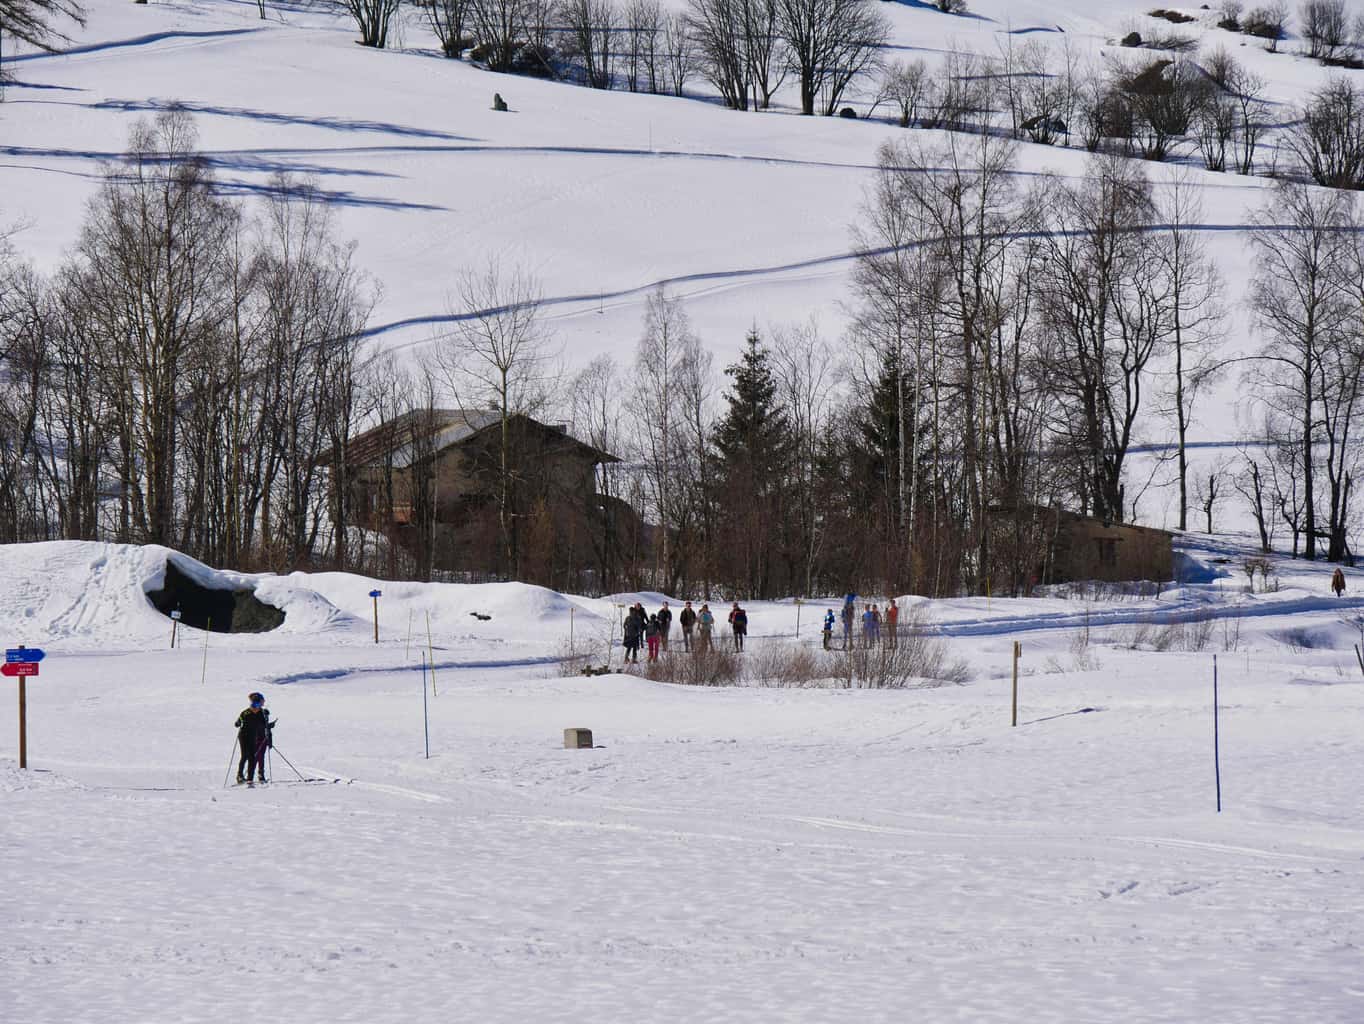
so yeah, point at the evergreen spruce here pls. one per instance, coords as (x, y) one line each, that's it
(754, 436)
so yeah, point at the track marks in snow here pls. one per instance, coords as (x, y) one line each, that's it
(192, 38)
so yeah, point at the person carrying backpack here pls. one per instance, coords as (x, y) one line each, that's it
(253, 734)
(633, 631)
(687, 620)
(665, 624)
(652, 632)
(738, 622)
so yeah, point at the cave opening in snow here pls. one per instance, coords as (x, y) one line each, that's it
(219, 609)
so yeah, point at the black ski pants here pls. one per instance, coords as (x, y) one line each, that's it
(253, 759)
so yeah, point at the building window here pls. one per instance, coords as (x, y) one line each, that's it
(1108, 550)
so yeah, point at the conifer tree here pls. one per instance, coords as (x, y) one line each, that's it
(754, 441)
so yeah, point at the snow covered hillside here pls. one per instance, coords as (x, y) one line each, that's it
(602, 194)
(722, 854)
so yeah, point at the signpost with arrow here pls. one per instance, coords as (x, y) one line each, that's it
(20, 663)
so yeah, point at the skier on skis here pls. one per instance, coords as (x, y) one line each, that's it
(253, 733)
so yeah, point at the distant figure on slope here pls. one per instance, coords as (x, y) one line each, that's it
(665, 624)
(892, 623)
(652, 635)
(828, 629)
(1338, 582)
(706, 620)
(634, 630)
(866, 626)
(849, 612)
(253, 734)
(687, 620)
(738, 621)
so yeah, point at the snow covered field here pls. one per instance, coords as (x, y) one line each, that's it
(729, 854)
(722, 854)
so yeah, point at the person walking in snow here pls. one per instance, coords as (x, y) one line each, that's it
(849, 612)
(1338, 582)
(652, 631)
(706, 622)
(665, 624)
(633, 632)
(738, 622)
(866, 625)
(253, 735)
(893, 622)
(876, 624)
(828, 629)
(687, 620)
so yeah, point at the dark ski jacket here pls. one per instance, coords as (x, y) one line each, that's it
(739, 620)
(687, 618)
(665, 619)
(253, 726)
(652, 630)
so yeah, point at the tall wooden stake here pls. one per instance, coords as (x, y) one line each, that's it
(376, 620)
(1216, 744)
(203, 677)
(407, 651)
(1018, 650)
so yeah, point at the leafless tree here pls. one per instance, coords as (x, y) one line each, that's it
(33, 22)
(1211, 486)
(666, 346)
(1328, 141)
(1195, 311)
(908, 85)
(717, 28)
(830, 43)
(372, 18)
(644, 55)
(590, 27)
(154, 252)
(1247, 91)
(498, 357)
(1302, 309)
(1325, 27)
(501, 28)
(679, 52)
(450, 20)
(1250, 483)
(1104, 299)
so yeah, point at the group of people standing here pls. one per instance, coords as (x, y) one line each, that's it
(653, 630)
(872, 621)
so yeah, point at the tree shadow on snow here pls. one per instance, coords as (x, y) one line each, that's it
(338, 124)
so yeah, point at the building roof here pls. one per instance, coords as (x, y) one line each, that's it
(451, 427)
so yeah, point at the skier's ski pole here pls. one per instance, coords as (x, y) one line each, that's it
(229, 763)
(290, 764)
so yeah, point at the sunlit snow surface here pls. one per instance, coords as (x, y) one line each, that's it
(728, 854)
(722, 855)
